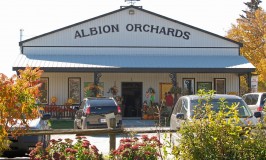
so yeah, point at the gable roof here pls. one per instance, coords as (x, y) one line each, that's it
(137, 8)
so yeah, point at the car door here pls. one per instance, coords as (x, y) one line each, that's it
(262, 100)
(251, 100)
(180, 107)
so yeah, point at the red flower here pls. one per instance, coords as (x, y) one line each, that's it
(78, 137)
(135, 147)
(85, 145)
(125, 154)
(94, 148)
(147, 152)
(74, 151)
(86, 142)
(127, 145)
(68, 150)
(144, 138)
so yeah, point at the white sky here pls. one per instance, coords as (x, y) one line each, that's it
(37, 17)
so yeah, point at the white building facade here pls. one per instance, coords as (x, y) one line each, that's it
(133, 50)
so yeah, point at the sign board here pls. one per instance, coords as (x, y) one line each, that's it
(254, 83)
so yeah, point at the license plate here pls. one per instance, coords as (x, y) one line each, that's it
(31, 148)
(103, 120)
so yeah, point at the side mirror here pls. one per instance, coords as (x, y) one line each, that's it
(180, 116)
(257, 114)
(46, 116)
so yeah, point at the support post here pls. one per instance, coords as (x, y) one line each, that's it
(174, 83)
(112, 137)
(249, 81)
(111, 122)
(97, 77)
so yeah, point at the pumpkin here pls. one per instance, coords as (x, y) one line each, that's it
(151, 117)
(145, 116)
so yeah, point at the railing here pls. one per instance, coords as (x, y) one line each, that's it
(61, 111)
(112, 132)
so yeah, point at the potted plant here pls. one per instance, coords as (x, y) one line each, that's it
(113, 90)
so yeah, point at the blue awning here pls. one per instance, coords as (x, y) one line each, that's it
(139, 63)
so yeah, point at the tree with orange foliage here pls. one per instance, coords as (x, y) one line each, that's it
(17, 103)
(251, 31)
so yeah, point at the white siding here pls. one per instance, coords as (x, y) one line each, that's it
(66, 37)
(131, 51)
(58, 82)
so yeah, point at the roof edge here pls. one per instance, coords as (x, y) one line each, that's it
(137, 8)
(144, 70)
(103, 15)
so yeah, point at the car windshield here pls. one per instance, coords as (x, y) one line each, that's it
(102, 102)
(251, 99)
(243, 110)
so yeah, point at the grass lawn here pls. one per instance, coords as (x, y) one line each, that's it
(62, 124)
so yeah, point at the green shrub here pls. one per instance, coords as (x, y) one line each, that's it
(219, 136)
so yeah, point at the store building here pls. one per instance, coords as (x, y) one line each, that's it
(133, 51)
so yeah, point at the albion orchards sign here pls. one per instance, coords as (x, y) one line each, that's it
(93, 31)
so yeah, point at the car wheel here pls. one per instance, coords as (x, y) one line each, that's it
(84, 123)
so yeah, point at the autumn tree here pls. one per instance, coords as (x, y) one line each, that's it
(17, 103)
(250, 30)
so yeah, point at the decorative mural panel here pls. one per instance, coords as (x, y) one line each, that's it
(74, 89)
(205, 85)
(44, 90)
(188, 86)
(219, 85)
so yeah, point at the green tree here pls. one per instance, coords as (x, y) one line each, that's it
(253, 5)
(17, 103)
(250, 30)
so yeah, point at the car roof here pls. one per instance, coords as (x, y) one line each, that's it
(255, 93)
(215, 96)
(99, 98)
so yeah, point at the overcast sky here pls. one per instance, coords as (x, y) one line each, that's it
(37, 17)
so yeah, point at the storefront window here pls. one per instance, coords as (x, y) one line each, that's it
(188, 86)
(219, 85)
(204, 85)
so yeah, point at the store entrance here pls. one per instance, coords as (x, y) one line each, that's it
(132, 99)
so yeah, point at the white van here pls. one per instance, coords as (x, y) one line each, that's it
(255, 101)
(185, 108)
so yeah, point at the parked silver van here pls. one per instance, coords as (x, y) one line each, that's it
(255, 101)
(185, 108)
